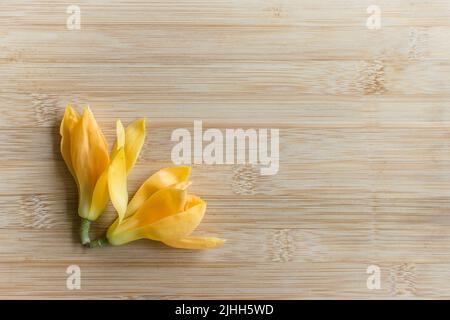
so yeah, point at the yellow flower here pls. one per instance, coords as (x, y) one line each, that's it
(85, 151)
(161, 210)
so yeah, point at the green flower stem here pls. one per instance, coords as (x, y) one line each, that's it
(99, 243)
(84, 231)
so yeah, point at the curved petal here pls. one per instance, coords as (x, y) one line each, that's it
(195, 242)
(89, 155)
(161, 204)
(69, 121)
(117, 238)
(183, 185)
(132, 138)
(100, 197)
(120, 138)
(117, 183)
(120, 133)
(164, 178)
(135, 136)
(178, 225)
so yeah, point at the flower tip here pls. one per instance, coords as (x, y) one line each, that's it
(120, 133)
(188, 170)
(220, 242)
(70, 111)
(195, 243)
(140, 126)
(87, 111)
(70, 117)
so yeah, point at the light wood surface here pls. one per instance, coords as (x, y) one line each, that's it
(364, 119)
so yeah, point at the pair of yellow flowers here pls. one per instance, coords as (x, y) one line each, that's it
(161, 209)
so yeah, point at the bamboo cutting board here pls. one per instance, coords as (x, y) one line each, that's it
(364, 119)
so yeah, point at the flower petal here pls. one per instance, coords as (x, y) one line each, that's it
(195, 242)
(71, 118)
(117, 183)
(89, 155)
(179, 225)
(135, 136)
(100, 197)
(132, 138)
(164, 178)
(120, 138)
(161, 204)
(120, 133)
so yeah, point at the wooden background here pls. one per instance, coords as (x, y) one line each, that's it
(364, 119)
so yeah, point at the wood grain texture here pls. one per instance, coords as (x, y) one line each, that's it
(364, 119)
